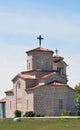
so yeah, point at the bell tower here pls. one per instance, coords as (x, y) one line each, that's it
(40, 58)
(59, 64)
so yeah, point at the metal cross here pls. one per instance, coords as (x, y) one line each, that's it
(40, 38)
(56, 51)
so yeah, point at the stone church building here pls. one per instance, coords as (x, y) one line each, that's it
(43, 87)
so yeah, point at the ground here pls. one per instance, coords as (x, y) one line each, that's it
(30, 124)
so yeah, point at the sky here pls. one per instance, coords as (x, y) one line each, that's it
(22, 21)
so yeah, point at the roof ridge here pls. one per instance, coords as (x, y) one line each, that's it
(40, 49)
(54, 83)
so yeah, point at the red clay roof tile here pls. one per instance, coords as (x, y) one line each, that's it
(9, 91)
(3, 100)
(57, 56)
(26, 76)
(40, 49)
(47, 75)
(50, 84)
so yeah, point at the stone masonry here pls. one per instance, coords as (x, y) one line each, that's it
(43, 87)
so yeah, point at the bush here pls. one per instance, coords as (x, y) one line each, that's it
(32, 114)
(17, 113)
(36, 114)
(29, 114)
(78, 109)
(66, 113)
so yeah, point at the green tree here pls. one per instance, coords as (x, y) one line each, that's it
(77, 89)
(17, 113)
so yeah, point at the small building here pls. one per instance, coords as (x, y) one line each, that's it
(3, 107)
(43, 87)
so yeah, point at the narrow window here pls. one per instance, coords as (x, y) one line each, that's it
(60, 70)
(29, 66)
(60, 103)
(47, 65)
(27, 105)
(10, 105)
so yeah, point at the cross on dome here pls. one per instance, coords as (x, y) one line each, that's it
(40, 38)
(56, 51)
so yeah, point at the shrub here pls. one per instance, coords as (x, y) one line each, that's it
(66, 113)
(36, 114)
(47, 113)
(17, 113)
(31, 114)
(78, 109)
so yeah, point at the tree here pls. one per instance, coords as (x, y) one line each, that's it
(17, 113)
(77, 89)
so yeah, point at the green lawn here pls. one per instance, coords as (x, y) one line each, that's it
(30, 124)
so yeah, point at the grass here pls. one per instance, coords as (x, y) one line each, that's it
(30, 124)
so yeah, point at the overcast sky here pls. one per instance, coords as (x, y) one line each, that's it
(22, 21)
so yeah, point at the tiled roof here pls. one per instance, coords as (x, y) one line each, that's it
(34, 70)
(57, 84)
(3, 100)
(52, 73)
(9, 91)
(49, 84)
(58, 57)
(26, 76)
(47, 75)
(40, 49)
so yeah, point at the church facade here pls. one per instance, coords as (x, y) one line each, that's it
(43, 87)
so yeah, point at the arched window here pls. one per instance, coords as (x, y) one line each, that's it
(60, 70)
(18, 84)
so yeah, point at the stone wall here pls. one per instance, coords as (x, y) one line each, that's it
(10, 106)
(53, 100)
(46, 100)
(15, 99)
(28, 102)
(19, 99)
(40, 60)
(52, 78)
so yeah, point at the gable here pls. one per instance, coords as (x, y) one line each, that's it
(61, 63)
(55, 85)
(52, 77)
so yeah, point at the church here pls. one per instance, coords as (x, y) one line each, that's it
(42, 87)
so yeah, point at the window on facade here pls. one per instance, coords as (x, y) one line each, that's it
(60, 103)
(37, 66)
(60, 70)
(10, 105)
(47, 65)
(49, 104)
(18, 84)
(29, 66)
(27, 104)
